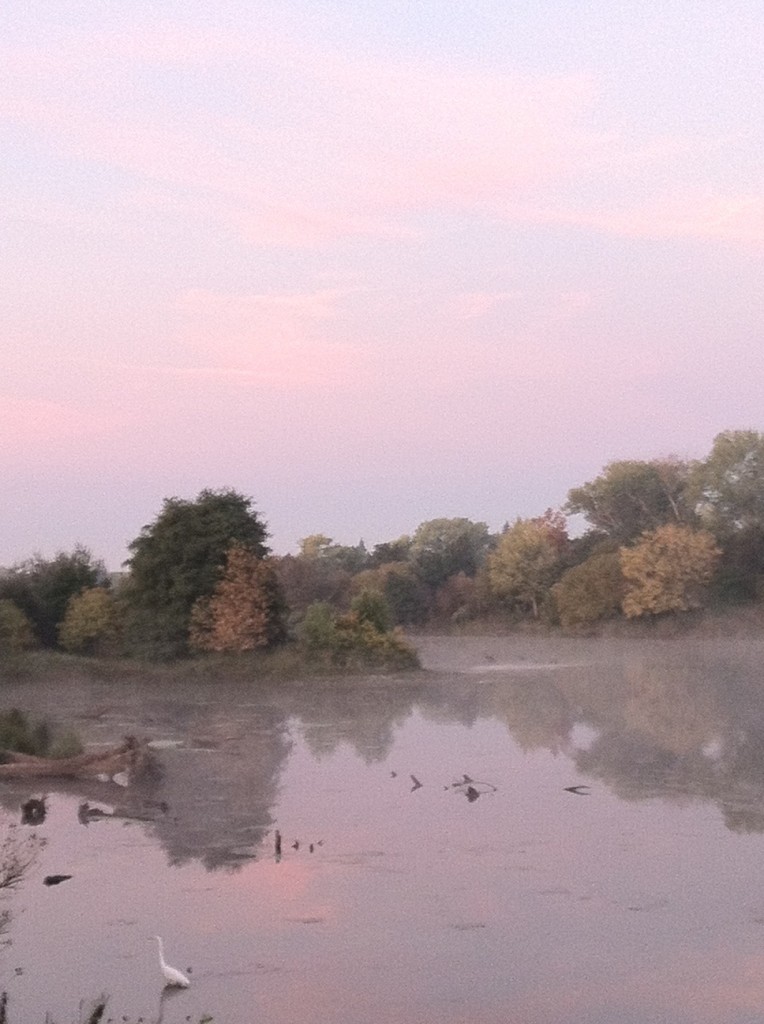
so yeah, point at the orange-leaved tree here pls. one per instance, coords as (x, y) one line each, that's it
(246, 609)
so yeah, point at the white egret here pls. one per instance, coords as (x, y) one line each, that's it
(171, 974)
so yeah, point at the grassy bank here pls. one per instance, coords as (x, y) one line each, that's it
(730, 621)
(288, 664)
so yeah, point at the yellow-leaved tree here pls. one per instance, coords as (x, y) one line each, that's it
(667, 570)
(91, 624)
(521, 568)
(246, 609)
(590, 591)
(16, 633)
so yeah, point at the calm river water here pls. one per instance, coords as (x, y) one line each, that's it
(528, 832)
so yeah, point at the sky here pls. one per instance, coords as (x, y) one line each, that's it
(368, 263)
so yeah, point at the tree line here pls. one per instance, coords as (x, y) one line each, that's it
(661, 537)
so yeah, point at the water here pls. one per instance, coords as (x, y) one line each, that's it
(405, 893)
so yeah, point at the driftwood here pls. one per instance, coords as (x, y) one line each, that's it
(126, 761)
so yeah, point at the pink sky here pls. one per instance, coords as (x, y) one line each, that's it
(370, 267)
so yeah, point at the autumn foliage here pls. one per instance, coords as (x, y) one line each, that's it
(590, 592)
(91, 623)
(245, 610)
(667, 570)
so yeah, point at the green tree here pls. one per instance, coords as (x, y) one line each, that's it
(246, 609)
(390, 551)
(320, 548)
(522, 567)
(591, 591)
(318, 631)
(443, 547)
(91, 624)
(307, 580)
(179, 558)
(630, 497)
(16, 633)
(728, 486)
(740, 574)
(667, 570)
(42, 587)
(371, 606)
(407, 596)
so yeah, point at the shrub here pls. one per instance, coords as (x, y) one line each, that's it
(16, 633)
(91, 623)
(18, 734)
(352, 641)
(590, 592)
(370, 606)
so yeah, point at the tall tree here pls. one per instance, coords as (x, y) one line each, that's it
(443, 547)
(246, 609)
(180, 557)
(630, 497)
(728, 486)
(522, 567)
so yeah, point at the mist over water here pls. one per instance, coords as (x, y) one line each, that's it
(529, 830)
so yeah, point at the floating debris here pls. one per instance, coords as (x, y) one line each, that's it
(33, 811)
(86, 813)
(472, 789)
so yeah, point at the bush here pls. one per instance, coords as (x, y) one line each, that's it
(352, 641)
(590, 592)
(370, 606)
(91, 623)
(16, 633)
(20, 735)
(318, 630)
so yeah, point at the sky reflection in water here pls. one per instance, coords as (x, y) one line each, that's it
(640, 901)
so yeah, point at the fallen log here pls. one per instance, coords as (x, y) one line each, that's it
(130, 757)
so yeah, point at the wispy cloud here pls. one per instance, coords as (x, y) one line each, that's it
(726, 218)
(351, 146)
(269, 340)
